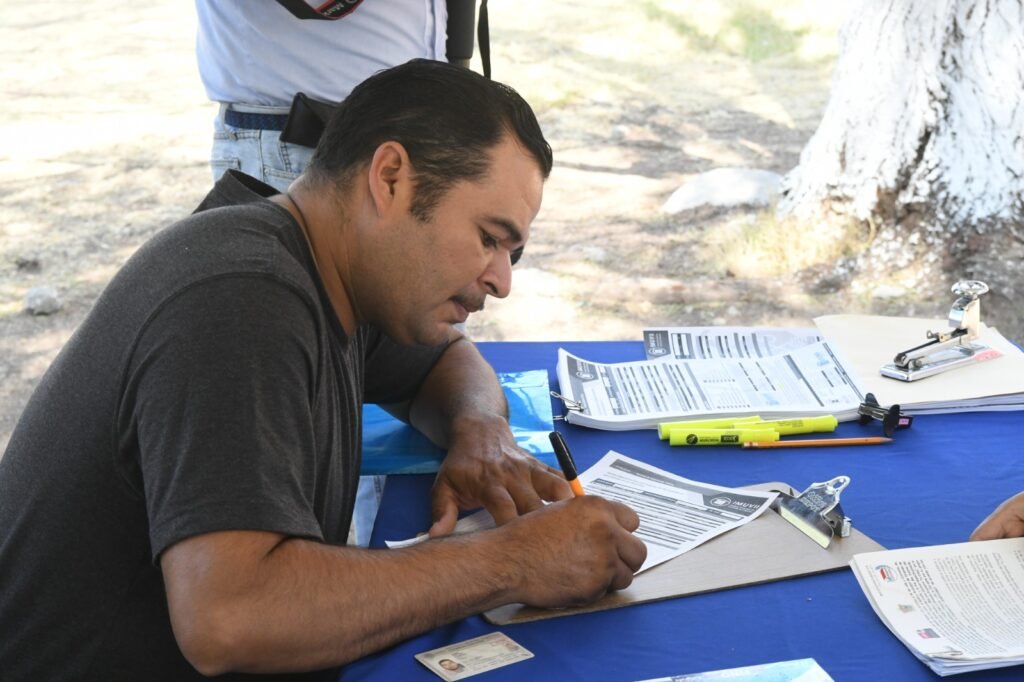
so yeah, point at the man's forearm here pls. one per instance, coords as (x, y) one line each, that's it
(254, 601)
(462, 385)
(302, 605)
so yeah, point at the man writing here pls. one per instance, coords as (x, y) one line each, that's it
(174, 499)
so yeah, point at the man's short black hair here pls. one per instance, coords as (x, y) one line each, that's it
(445, 116)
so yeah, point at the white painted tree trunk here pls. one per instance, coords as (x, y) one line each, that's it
(924, 131)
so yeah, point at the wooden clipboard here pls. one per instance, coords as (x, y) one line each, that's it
(766, 549)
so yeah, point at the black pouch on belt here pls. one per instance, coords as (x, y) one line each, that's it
(306, 121)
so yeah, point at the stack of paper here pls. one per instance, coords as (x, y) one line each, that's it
(957, 607)
(810, 380)
(703, 372)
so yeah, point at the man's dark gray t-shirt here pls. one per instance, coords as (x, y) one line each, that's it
(211, 388)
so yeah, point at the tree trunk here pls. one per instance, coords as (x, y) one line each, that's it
(923, 140)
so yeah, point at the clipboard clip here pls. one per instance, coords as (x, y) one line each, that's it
(816, 511)
(949, 349)
(891, 418)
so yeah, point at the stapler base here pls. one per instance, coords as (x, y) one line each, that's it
(947, 359)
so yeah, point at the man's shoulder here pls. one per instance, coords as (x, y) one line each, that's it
(248, 239)
(242, 238)
(234, 227)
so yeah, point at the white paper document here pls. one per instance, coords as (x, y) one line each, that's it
(956, 607)
(994, 380)
(810, 380)
(676, 514)
(711, 343)
(481, 520)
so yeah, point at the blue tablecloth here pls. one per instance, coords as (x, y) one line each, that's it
(931, 486)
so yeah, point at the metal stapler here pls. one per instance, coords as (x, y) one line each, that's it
(949, 349)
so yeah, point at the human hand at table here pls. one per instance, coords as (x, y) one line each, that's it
(486, 468)
(571, 552)
(1007, 521)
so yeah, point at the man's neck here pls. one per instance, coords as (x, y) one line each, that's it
(325, 244)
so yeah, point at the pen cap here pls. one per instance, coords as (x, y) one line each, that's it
(723, 423)
(721, 436)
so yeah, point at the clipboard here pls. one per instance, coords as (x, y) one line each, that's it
(722, 563)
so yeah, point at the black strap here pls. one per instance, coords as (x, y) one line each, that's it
(331, 10)
(483, 38)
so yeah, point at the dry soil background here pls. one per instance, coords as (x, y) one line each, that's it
(105, 130)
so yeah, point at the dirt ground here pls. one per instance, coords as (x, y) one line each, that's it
(105, 133)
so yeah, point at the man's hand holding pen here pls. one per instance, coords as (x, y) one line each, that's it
(589, 546)
(566, 553)
(571, 552)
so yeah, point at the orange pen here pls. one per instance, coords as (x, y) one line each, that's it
(566, 462)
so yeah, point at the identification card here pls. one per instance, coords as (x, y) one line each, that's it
(477, 655)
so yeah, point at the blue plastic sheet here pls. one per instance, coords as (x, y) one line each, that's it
(393, 447)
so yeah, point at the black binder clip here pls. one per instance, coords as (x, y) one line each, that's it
(891, 418)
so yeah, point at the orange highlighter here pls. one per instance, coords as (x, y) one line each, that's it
(566, 462)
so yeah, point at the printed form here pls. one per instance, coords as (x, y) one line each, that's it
(810, 380)
(710, 343)
(676, 514)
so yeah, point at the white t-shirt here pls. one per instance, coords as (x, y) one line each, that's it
(257, 52)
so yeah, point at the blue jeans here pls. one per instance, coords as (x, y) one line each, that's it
(261, 154)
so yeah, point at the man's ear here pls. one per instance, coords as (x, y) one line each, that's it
(390, 178)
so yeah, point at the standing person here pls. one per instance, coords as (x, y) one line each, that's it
(175, 499)
(256, 57)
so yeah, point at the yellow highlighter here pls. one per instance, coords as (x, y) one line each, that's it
(721, 436)
(788, 427)
(723, 423)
